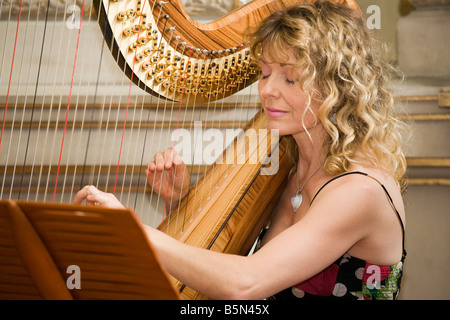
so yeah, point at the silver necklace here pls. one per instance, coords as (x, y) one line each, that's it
(297, 199)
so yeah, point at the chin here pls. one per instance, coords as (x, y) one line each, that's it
(278, 126)
(277, 130)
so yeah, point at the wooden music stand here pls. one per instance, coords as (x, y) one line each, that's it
(39, 241)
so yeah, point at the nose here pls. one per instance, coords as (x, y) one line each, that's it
(269, 87)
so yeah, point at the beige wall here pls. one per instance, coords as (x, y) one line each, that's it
(390, 11)
(427, 240)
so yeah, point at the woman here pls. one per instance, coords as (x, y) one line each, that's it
(338, 230)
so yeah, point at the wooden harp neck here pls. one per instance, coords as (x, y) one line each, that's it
(168, 54)
(227, 31)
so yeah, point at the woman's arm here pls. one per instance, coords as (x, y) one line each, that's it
(331, 227)
(217, 275)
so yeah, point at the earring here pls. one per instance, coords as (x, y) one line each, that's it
(333, 118)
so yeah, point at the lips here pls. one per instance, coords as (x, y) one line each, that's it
(272, 112)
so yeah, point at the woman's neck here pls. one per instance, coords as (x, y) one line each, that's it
(310, 149)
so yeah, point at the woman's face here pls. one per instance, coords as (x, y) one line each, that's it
(281, 97)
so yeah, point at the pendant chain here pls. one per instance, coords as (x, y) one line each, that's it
(300, 189)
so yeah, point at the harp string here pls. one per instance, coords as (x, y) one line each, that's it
(35, 93)
(191, 121)
(126, 114)
(158, 52)
(139, 127)
(107, 124)
(184, 216)
(71, 167)
(196, 139)
(154, 126)
(94, 103)
(22, 119)
(159, 49)
(12, 66)
(71, 153)
(177, 126)
(68, 104)
(16, 107)
(143, 144)
(165, 208)
(47, 126)
(181, 101)
(33, 162)
(9, 88)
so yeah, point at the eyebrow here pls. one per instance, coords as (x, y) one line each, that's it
(281, 64)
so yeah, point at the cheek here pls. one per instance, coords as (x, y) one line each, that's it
(260, 88)
(297, 106)
(298, 100)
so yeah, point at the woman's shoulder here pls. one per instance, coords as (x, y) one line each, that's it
(358, 180)
(359, 191)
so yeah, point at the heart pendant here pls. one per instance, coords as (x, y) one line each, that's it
(296, 201)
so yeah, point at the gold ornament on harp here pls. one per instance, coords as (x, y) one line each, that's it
(148, 51)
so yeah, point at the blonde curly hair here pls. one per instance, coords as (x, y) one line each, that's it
(340, 62)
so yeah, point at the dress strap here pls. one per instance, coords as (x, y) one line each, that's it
(387, 194)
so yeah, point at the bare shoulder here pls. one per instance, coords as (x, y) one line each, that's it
(365, 205)
(354, 188)
(367, 191)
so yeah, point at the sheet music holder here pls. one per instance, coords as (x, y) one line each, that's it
(42, 244)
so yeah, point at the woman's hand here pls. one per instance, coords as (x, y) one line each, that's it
(97, 198)
(168, 175)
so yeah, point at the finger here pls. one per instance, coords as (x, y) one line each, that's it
(149, 176)
(159, 161)
(151, 166)
(105, 200)
(174, 156)
(177, 159)
(96, 200)
(169, 155)
(87, 194)
(81, 195)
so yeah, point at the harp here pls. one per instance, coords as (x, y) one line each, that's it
(71, 117)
